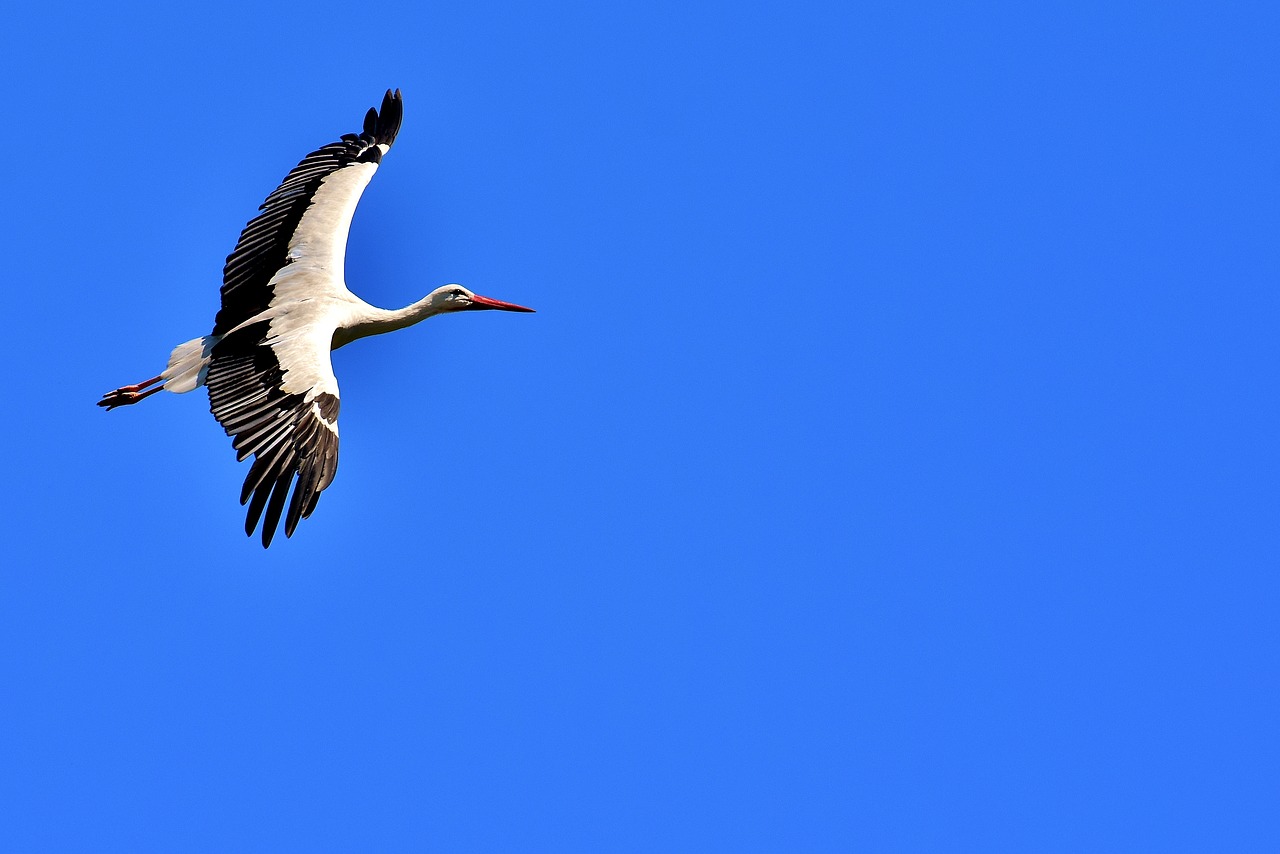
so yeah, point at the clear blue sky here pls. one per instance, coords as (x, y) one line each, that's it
(891, 465)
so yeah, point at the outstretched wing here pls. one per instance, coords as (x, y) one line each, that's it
(270, 382)
(305, 221)
(272, 388)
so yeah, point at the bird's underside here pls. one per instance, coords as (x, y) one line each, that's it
(266, 365)
(284, 307)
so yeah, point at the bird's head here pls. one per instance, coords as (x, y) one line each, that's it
(458, 298)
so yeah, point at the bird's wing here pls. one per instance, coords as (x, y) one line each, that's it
(271, 387)
(304, 223)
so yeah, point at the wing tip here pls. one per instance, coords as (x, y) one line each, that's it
(386, 119)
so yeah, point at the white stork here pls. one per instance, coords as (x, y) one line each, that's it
(285, 306)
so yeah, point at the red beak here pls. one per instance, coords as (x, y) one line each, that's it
(479, 302)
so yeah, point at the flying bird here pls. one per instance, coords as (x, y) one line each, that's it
(285, 307)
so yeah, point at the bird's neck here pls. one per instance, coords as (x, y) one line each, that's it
(371, 320)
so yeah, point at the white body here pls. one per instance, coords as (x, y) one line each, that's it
(285, 307)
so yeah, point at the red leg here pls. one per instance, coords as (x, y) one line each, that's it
(140, 386)
(129, 394)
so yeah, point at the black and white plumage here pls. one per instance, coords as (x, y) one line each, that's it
(285, 307)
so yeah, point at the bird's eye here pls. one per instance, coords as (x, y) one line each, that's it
(459, 293)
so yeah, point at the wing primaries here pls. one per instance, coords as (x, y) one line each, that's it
(289, 434)
(265, 243)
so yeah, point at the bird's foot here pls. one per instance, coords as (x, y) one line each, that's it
(130, 394)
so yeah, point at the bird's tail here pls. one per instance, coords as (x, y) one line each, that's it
(188, 364)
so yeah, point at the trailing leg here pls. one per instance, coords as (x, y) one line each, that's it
(129, 394)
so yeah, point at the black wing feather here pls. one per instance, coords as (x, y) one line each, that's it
(264, 243)
(288, 434)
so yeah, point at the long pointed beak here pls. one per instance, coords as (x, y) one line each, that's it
(479, 302)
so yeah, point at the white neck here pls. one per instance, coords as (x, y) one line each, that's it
(371, 320)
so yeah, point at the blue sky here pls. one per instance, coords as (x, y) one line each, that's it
(891, 464)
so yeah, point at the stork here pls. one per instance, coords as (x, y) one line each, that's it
(285, 307)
